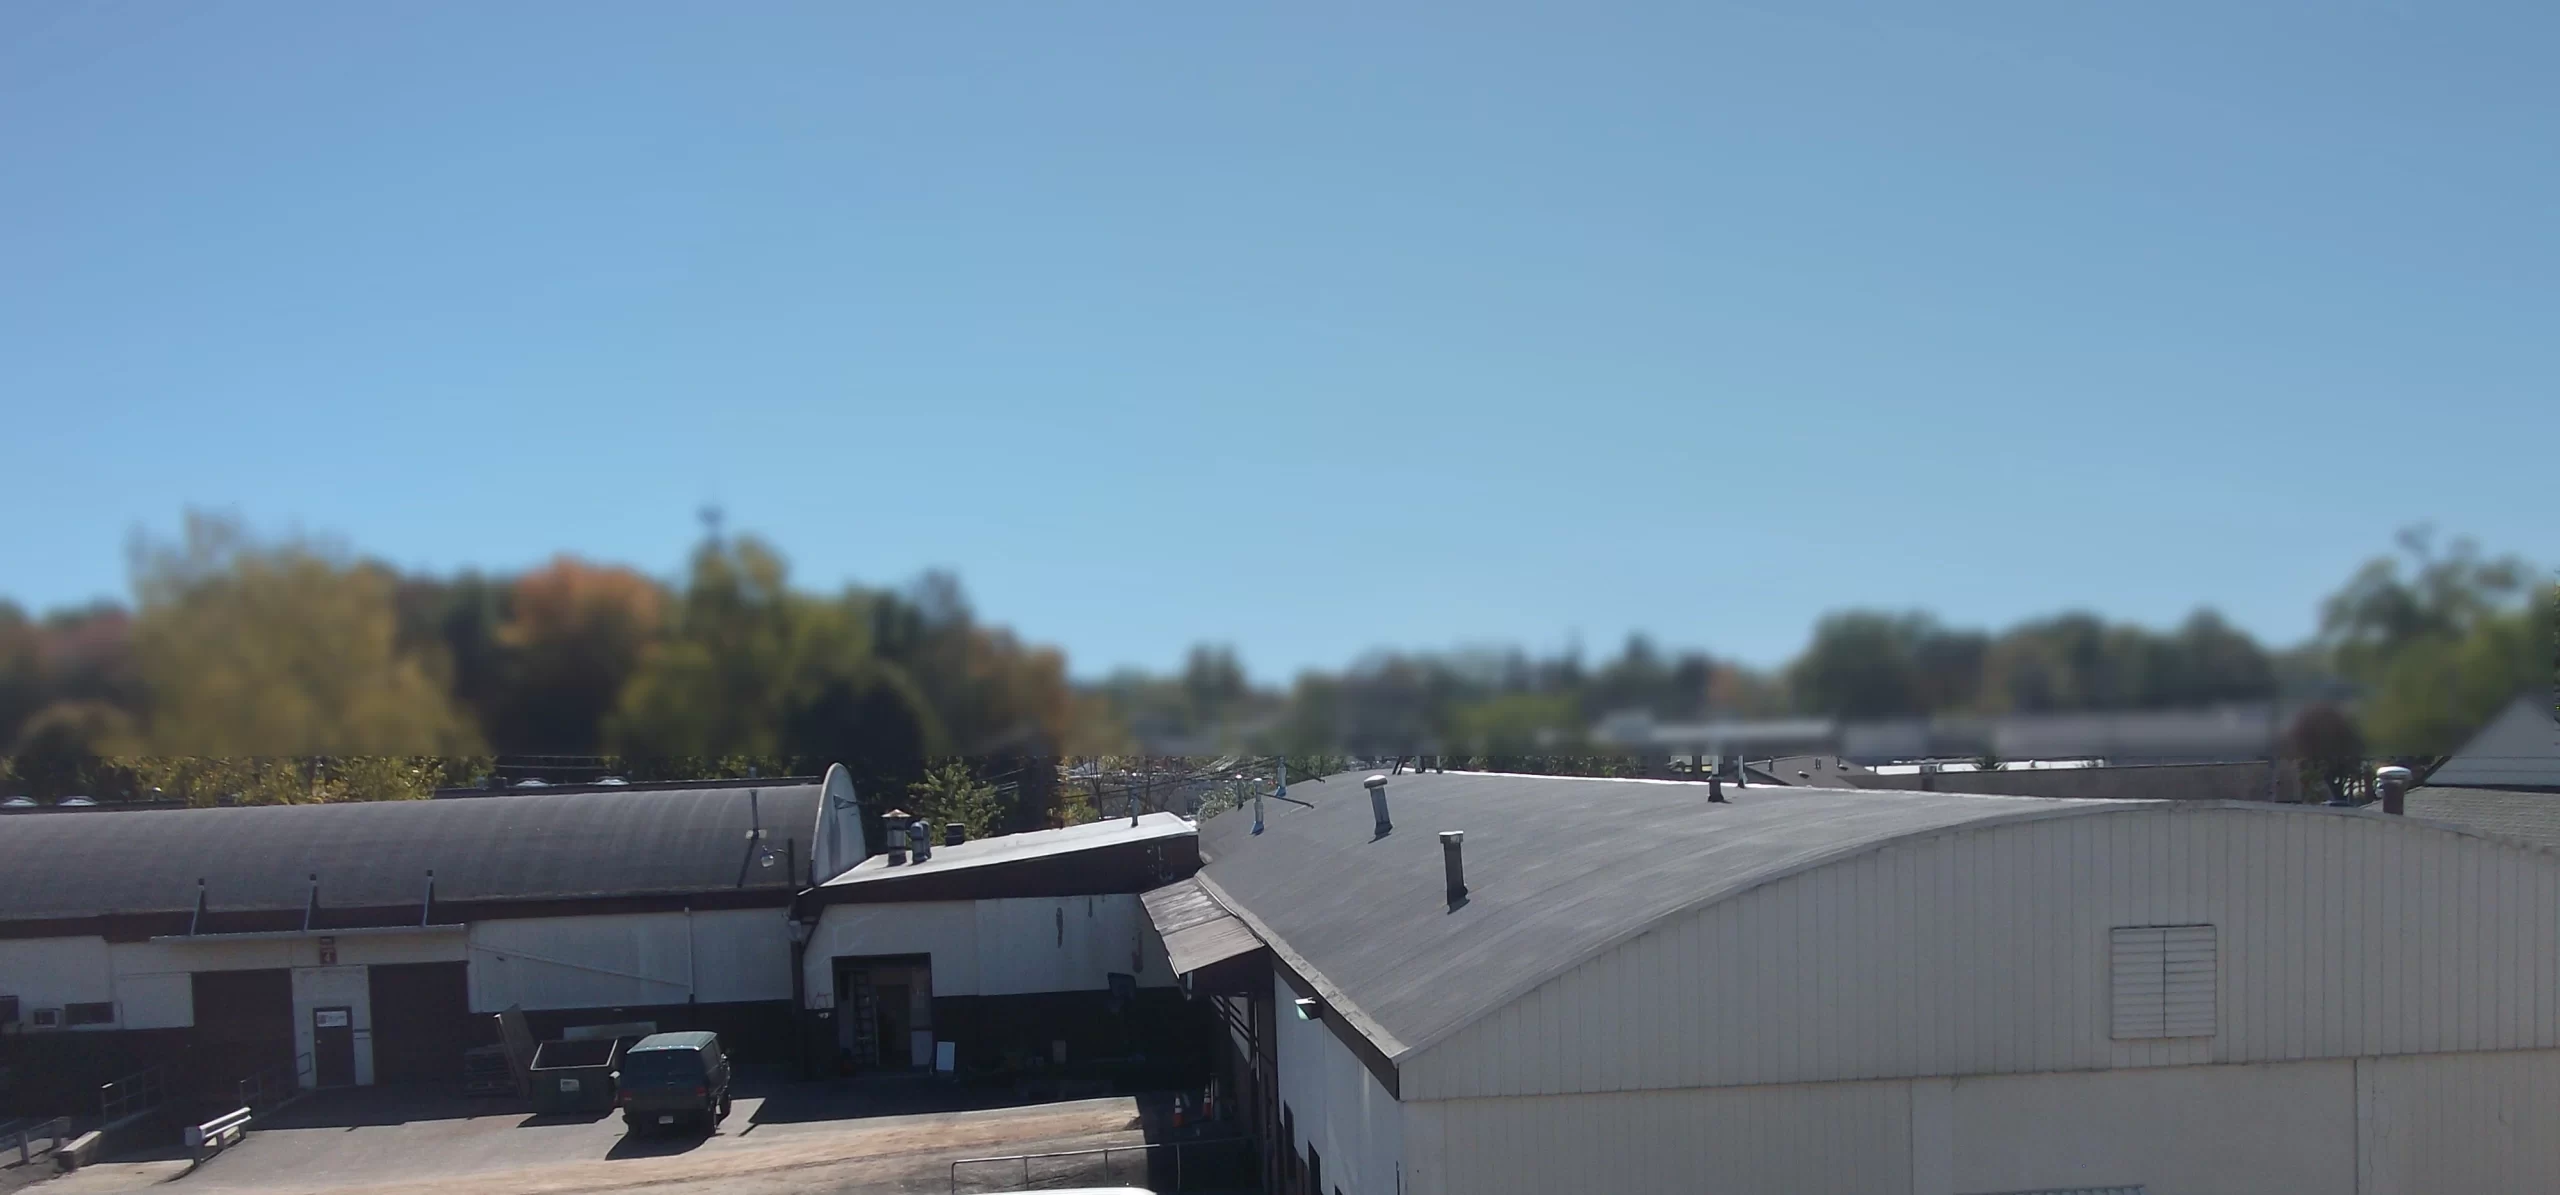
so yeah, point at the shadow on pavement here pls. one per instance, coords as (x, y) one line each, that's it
(539, 1119)
(656, 1145)
(885, 1095)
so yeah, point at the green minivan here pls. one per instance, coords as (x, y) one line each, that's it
(673, 1081)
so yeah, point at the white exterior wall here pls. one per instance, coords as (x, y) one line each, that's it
(630, 959)
(1985, 951)
(52, 972)
(2436, 1124)
(1805, 1139)
(148, 981)
(2454, 1123)
(1338, 1106)
(996, 947)
(2194, 1130)
(837, 842)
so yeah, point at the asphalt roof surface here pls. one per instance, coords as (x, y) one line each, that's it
(2531, 816)
(1557, 869)
(520, 846)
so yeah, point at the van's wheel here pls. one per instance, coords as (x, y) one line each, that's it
(724, 1108)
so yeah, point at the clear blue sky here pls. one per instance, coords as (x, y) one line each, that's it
(1310, 327)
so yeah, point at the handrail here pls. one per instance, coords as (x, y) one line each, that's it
(275, 1086)
(132, 1095)
(1026, 1159)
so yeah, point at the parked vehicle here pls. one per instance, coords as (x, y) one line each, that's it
(673, 1081)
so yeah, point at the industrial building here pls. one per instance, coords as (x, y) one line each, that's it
(1475, 984)
(362, 943)
(1026, 945)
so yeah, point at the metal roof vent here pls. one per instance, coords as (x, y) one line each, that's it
(1451, 842)
(2393, 780)
(893, 832)
(955, 833)
(1377, 786)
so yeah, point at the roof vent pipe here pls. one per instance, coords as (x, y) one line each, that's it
(1377, 786)
(2393, 780)
(893, 835)
(1450, 843)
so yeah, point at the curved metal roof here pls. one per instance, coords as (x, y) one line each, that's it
(1557, 870)
(520, 846)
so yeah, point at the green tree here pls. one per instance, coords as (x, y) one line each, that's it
(951, 793)
(249, 648)
(752, 669)
(2440, 639)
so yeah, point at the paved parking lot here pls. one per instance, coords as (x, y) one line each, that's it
(793, 1140)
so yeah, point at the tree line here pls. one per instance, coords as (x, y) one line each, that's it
(292, 668)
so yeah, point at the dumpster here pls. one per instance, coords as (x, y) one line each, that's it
(574, 1076)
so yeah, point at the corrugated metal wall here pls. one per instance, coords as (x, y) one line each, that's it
(1985, 951)
(1811, 1139)
(630, 959)
(1334, 1103)
(2446, 1124)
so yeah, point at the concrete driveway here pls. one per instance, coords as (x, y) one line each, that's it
(792, 1140)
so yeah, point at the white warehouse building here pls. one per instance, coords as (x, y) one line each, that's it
(1636, 989)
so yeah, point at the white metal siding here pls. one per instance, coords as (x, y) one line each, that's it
(741, 954)
(582, 962)
(1985, 951)
(52, 972)
(2460, 1124)
(1337, 1104)
(2193, 1130)
(1806, 1139)
(998, 947)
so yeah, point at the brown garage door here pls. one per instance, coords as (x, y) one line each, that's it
(244, 1024)
(421, 1022)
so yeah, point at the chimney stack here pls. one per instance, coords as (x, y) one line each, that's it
(1450, 843)
(954, 833)
(1377, 786)
(2393, 780)
(893, 835)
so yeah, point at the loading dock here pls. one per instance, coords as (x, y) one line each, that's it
(243, 1023)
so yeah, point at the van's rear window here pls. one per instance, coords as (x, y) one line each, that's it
(662, 1065)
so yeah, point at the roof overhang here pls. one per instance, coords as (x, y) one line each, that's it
(286, 935)
(1198, 932)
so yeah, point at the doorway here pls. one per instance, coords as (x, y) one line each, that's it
(333, 1046)
(884, 1011)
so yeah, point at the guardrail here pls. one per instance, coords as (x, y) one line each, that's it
(211, 1137)
(22, 1137)
(1105, 1153)
(132, 1095)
